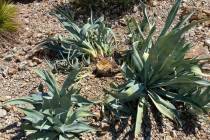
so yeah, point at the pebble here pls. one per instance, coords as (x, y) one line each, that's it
(37, 60)
(135, 9)
(207, 12)
(12, 71)
(22, 67)
(207, 42)
(154, 3)
(168, 138)
(104, 126)
(3, 113)
(8, 58)
(206, 67)
(31, 64)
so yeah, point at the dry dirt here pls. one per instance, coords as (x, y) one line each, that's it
(18, 59)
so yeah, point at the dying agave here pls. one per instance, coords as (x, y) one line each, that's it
(158, 73)
(59, 114)
(94, 41)
(7, 16)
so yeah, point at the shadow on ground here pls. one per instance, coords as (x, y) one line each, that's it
(112, 11)
(153, 119)
(19, 135)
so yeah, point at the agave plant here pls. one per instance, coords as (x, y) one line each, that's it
(58, 114)
(93, 40)
(158, 73)
(7, 16)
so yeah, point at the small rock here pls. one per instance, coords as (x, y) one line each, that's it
(37, 60)
(31, 64)
(27, 21)
(104, 126)
(17, 59)
(22, 66)
(168, 138)
(27, 28)
(135, 9)
(192, 34)
(4, 98)
(207, 42)
(8, 58)
(38, 35)
(3, 113)
(122, 22)
(206, 67)
(117, 126)
(153, 3)
(207, 12)
(173, 134)
(12, 71)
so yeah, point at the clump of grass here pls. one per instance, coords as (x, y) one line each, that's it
(8, 13)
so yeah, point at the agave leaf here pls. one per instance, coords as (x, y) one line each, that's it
(42, 125)
(69, 115)
(50, 80)
(76, 116)
(28, 128)
(66, 101)
(119, 107)
(189, 26)
(79, 100)
(171, 17)
(42, 136)
(197, 99)
(148, 42)
(85, 29)
(166, 94)
(132, 92)
(54, 44)
(66, 20)
(145, 23)
(183, 80)
(137, 60)
(69, 81)
(184, 21)
(165, 107)
(77, 127)
(127, 71)
(139, 116)
(195, 69)
(19, 101)
(32, 115)
(73, 28)
(66, 12)
(99, 20)
(142, 36)
(65, 138)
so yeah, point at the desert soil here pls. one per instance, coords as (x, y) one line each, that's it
(19, 57)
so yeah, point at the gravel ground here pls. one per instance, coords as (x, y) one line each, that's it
(19, 57)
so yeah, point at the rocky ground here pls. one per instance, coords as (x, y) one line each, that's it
(19, 57)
